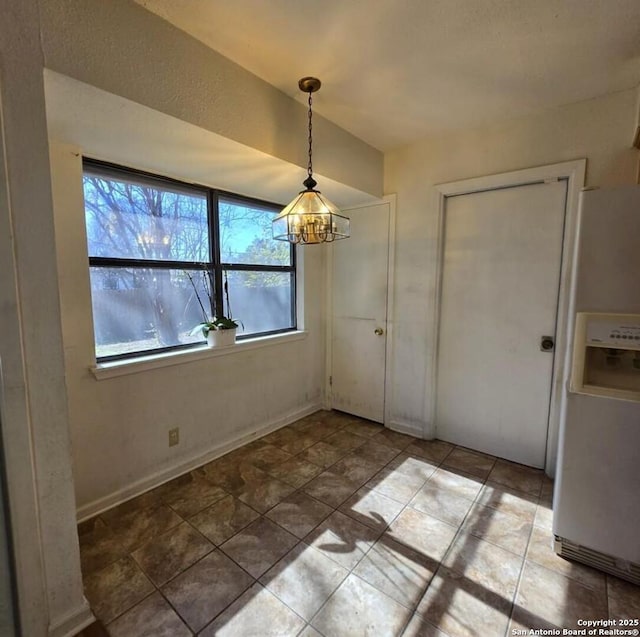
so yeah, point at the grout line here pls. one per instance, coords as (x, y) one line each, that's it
(297, 490)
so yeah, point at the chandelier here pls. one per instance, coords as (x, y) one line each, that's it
(310, 217)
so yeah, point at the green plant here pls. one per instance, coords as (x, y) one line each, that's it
(221, 322)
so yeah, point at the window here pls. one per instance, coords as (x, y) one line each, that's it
(153, 240)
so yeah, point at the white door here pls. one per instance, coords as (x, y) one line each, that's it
(359, 318)
(500, 281)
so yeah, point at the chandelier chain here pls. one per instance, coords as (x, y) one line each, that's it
(310, 164)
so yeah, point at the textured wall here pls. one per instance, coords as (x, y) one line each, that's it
(120, 425)
(35, 418)
(599, 130)
(120, 47)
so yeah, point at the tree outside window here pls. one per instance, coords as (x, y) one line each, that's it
(146, 235)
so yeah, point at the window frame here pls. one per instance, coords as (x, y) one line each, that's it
(215, 266)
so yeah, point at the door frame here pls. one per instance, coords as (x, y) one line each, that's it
(388, 373)
(574, 173)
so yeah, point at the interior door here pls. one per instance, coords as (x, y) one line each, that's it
(500, 281)
(359, 318)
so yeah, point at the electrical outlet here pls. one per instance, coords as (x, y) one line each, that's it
(174, 436)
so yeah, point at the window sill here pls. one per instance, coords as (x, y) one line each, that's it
(102, 371)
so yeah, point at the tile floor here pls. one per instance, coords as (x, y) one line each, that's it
(336, 526)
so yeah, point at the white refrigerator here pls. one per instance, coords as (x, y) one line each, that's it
(597, 491)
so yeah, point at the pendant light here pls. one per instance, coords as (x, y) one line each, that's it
(310, 217)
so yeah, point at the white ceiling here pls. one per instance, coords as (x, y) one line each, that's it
(397, 70)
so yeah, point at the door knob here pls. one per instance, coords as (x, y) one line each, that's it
(378, 331)
(547, 344)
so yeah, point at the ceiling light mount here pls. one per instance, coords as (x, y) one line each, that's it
(309, 84)
(310, 217)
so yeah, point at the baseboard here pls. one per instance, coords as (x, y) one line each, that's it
(155, 480)
(412, 429)
(72, 623)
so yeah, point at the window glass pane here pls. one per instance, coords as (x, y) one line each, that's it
(138, 309)
(261, 300)
(245, 235)
(131, 220)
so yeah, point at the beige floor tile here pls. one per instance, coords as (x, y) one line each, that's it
(464, 485)
(268, 457)
(169, 554)
(541, 552)
(236, 476)
(299, 513)
(413, 466)
(264, 495)
(331, 488)
(345, 440)
(364, 428)
(300, 443)
(423, 533)
(411, 566)
(463, 608)
(435, 450)
(393, 439)
(517, 476)
(548, 597)
(280, 437)
(324, 428)
(419, 627)
(150, 499)
(376, 453)
(511, 501)
(116, 588)
(224, 519)
(259, 546)
(342, 539)
(395, 485)
(485, 564)
(355, 469)
(190, 493)
(371, 508)
(322, 454)
(546, 493)
(296, 472)
(472, 462)
(258, 613)
(358, 608)
(207, 588)
(544, 517)
(397, 570)
(99, 546)
(88, 527)
(304, 579)
(152, 617)
(441, 503)
(507, 531)
(138, 527)
(526, 622)
(624, 598)
(312, 421)
(340, 418)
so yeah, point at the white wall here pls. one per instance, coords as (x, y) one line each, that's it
(34, 406)
(119, 426)
(123, 49)
(599, 130)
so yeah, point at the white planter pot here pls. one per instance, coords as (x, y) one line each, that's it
(221, 338)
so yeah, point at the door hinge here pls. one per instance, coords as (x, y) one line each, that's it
(330, 381)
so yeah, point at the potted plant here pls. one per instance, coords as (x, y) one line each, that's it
(220, 331)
